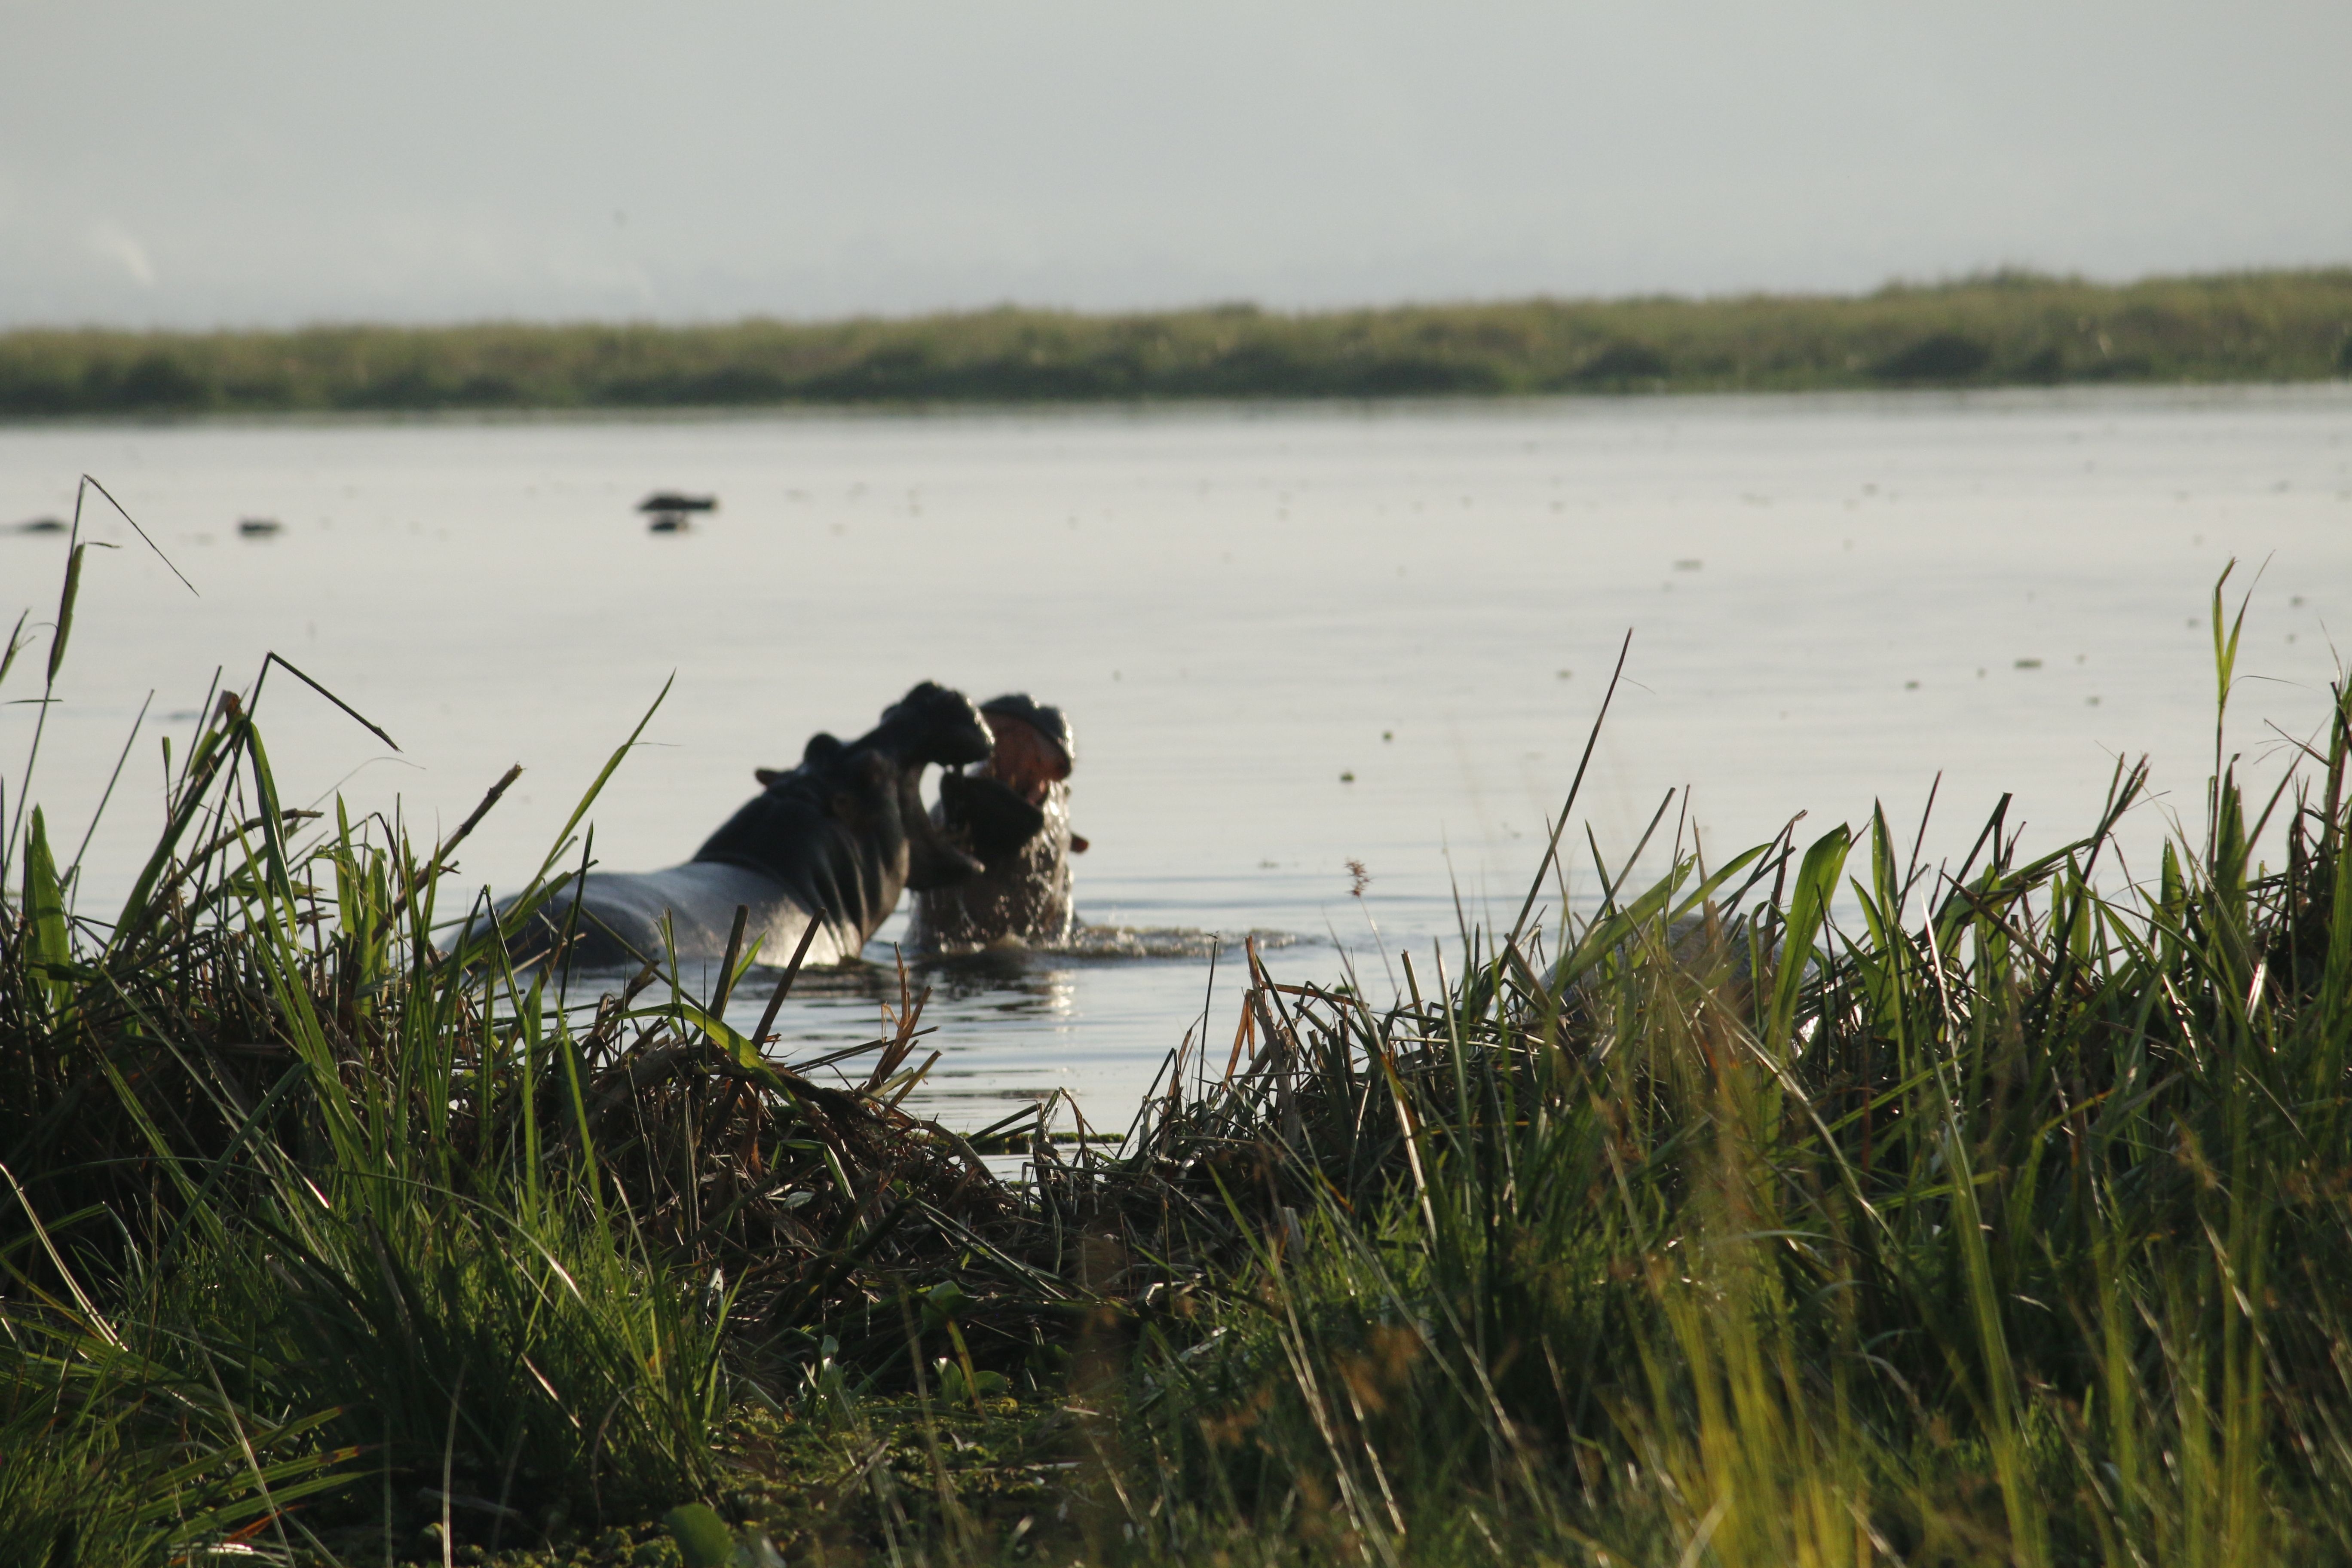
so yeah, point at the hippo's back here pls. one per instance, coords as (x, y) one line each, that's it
(622, 917)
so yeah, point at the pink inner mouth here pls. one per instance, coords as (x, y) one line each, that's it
(1024, 761)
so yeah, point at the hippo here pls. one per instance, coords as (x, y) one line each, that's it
(1012, 811)
(833, 841)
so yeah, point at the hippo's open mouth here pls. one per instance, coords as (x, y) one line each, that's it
(1034, 749)
(1012, 811)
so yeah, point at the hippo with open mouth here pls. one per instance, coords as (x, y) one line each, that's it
(1011, 811)
(833, 841)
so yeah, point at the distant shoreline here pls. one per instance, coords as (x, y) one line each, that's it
(2006, 330)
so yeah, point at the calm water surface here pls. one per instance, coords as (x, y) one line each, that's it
(1289, 639)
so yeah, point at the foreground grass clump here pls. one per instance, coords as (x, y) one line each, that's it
(321, 1230)
(2009, 329)
(1819, 1208)
(2003, 1222)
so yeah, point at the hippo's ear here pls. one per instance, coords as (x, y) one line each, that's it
(769, 777)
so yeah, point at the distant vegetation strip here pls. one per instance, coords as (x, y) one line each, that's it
(2006, 329)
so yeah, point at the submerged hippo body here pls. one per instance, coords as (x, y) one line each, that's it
(833, 840)
(621, 914)
(1013, 813)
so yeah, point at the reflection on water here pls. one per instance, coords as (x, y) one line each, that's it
(1007, 984)
(1293, 639)
(1013, 1026)
(1089, 1021)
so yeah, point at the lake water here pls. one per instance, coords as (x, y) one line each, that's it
(1288, 637)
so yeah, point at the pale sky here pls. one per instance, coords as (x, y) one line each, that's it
(254, 163)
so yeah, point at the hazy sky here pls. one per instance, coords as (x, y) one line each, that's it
(249, 163)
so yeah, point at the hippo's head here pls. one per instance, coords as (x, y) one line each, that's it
(930, 724)
(999, 806)
(1034, 745)
(1013, 811)
(871, 790)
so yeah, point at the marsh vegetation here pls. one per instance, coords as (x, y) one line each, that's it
(1816, 1205)
(2007, 329)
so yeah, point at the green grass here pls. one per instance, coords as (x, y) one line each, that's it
(1814, 1208)
(320, 1219)
(2003, 330)
(2011, 1227)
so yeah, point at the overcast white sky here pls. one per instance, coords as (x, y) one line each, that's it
(244, 162)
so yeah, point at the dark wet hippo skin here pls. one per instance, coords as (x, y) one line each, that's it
(833, 840)
(1013, 813)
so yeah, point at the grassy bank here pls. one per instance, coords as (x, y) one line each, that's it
(2002, 1222)
(2004, 330)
